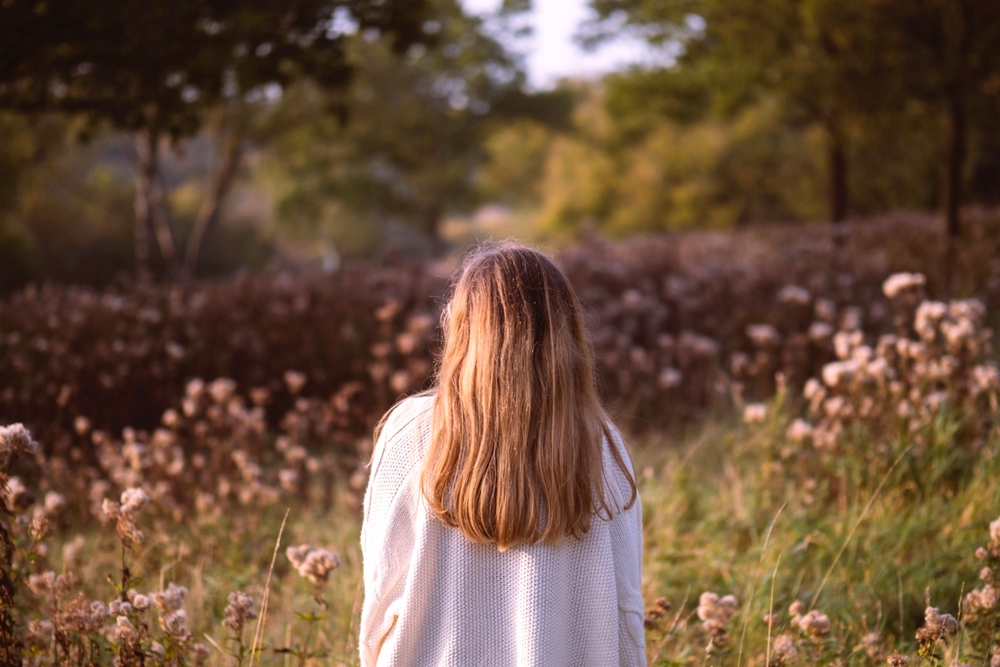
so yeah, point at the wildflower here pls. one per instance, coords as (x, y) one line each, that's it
(928, 317)
(813, 390)
(54, 503)
(14, 440)
(936, 625)
(201, 654)
(897, 660)
(799, 431)
(120, 608)
(313, 564)
(814, 623)
(898, 283)
(238, 612)
(995, 531)
(995, 660)
(763, 335)
(170, 599)
(39, 526)
(715, 613)
(221, 390)
(125, 514)
(81, 425)
(784, 649)
(156, 648)
(669, 378)
(174, 624)
(294, 381)
(755, 413)
(820, 332)
(289, 479)
(838, 373)
(794, 294)
(83, 617)
(124, 631)
(139, 601)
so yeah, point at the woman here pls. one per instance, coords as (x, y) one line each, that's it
(502, 526)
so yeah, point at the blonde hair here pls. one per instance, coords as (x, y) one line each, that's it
(518, 428)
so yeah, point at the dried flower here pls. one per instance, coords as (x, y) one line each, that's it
(814, 623)
(170, 599)
(898, 283)
(313, 564)
(238, 611)
(14, 440)
(784, 649)
(755, 413)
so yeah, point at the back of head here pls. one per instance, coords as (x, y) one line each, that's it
(515, 455)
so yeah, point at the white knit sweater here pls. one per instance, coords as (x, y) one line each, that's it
(435, 599)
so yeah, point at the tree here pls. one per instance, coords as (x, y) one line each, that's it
(814, 56)
(945, 52)
(402, 143)
(158, 70)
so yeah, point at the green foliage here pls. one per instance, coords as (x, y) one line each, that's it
(160, 67)
(640, 171)
(406, 142)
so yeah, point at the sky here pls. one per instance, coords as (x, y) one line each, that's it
(551, 52)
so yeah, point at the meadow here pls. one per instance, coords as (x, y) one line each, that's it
(814, 429)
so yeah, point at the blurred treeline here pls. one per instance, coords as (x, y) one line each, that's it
(254, 138)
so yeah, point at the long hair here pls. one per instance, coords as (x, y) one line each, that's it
(518, 429)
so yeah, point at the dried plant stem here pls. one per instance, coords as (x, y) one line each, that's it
(352, 631)
(770, 612)
(304, 653)
(857, 524)
(258, 634)
(672, 629)
(753, 586)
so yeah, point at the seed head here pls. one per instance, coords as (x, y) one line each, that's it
(14, 440)
(784, 649)
(898, 283)
(238, 612)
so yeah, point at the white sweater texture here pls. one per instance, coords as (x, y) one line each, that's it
(435, 599)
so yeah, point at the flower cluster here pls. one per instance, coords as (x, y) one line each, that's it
(715, 614)
(125, 514)
(313, 564)
(903, 381)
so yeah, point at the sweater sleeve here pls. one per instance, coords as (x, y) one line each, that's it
(387, 531)
(626, 533)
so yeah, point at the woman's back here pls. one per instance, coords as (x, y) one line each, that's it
(435, 598)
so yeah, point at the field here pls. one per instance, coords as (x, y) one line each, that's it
(815, 434)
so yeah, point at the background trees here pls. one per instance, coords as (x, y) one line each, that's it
(853, 69)
(225, 136)
(159, 69)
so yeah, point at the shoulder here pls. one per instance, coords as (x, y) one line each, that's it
(619, 475)
(617, 444)
(406, 413)
(404, 428)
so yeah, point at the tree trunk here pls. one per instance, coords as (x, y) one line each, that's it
(150, 207)
(145, 175)
(208, 214)
(161, 225)
(953, 179)
(431, 220)
(956, 22)
(837, 193)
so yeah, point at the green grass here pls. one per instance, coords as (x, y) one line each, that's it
(870, 537)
